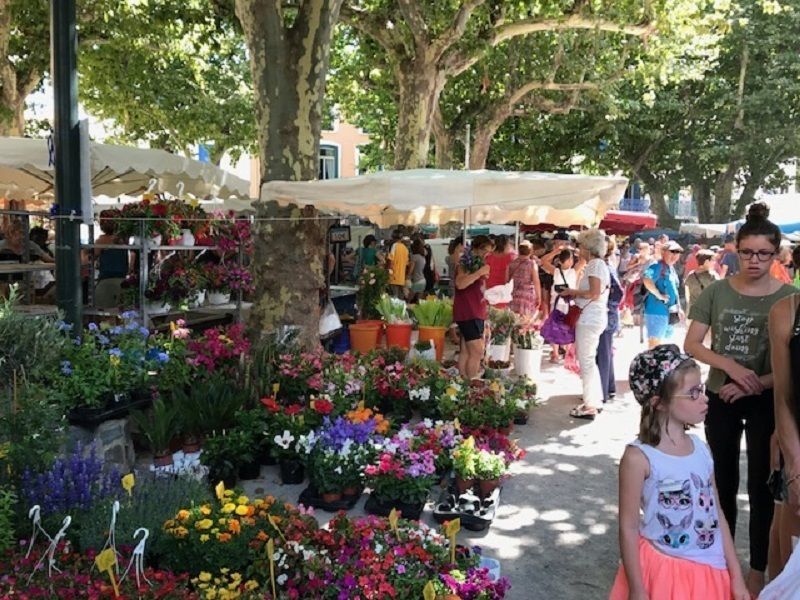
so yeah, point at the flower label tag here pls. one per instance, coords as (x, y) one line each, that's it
(271, 557)
(128, 482)
(219, 490)
(393, 517)
(105, 562)
(451, 529)
(428, 593)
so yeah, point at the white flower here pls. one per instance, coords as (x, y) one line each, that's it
(282, 578)
(405, 434)
(338, 470)
(284, 440)
(428, 423)
(378, 548)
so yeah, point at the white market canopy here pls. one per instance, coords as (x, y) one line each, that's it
(438, 196)
(708, 230)
(784, 211)
(27, 171)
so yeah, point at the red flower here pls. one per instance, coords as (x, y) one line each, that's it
(271, 405)
(294, 409)
(323, 406)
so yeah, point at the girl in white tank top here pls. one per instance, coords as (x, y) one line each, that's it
(674, 541)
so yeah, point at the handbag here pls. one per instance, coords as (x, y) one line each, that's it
(573, 314)
(555, 331)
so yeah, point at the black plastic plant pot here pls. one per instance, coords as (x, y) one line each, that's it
(251, 470)
(381, 508)
(292, 471)
(311, 497)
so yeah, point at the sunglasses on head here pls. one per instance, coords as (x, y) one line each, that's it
(675, 251)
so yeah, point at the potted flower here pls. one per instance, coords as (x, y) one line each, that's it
(394, 313)
(433, 317)
(400, 478)
(284, 448)
(327, 471)
(219, 292)
(464, 463)
(224, 453)
(490, 467)
(424, 349)
(158, 426)
(371, 286)
(527, 351)
(501, 322)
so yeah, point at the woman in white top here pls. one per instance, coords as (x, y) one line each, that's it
(591, 296)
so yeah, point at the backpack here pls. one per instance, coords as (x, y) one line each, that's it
(641, 292)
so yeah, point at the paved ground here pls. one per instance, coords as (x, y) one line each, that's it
(556, 533)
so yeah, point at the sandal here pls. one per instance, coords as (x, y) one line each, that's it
(583, 412)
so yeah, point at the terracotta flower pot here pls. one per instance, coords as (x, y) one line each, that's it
(399, 335)
(463, 485)
(330, 497)
(435, 334)
(162, 459)
(487, 486)
(379, 333)
(363, 337)
(351, 491)
(191, 444)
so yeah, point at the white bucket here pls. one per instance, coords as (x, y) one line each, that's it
(500, 352)
(528, 362)
(218, 298)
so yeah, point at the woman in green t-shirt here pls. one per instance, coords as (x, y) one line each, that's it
(740, 382)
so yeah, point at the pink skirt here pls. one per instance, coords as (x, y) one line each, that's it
(669, 578)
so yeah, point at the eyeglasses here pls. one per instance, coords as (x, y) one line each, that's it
(695, 393)
(763, 255)
(676, 251)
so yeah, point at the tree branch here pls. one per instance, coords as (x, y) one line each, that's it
(524, 27)
(456, 30)
(415, 21)
(368, 24)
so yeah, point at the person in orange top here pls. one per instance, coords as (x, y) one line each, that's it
(780, 265)
(398, 266)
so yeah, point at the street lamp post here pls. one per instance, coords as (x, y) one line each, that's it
(64, 64)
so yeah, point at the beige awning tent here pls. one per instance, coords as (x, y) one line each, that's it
(26, 171)
(438, 196)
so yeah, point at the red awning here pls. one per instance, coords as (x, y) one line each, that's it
(623, 222)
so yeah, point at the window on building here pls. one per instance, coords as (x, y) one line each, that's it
(328, 162)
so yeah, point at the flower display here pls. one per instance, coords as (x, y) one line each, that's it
(107, 359)
(78, 578)
(502, 322)
(71, 483)
(401, 472)
(220, 348)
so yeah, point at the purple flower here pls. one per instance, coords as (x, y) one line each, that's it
(115, 352)
(92, 326)
(66, 367)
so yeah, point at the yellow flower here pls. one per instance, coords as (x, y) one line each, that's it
(229, 507)
(205, 510)
(181, 532)
(242, 500)
(204, 576)
(251, 585)
(220, 490)
(114, 360)
(236, 576)
(222, 521)
(228, 493)
(204, 524)
(242, 510)
(224, 570)
(128, 482)
(204, 538)
(183, 514)
(169, 523)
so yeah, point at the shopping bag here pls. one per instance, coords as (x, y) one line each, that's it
(499, 294)
(329, 321)
(785, 586)
(573, 314)
(555, 331)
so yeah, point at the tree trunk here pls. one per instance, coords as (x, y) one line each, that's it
(657, 191)
(701, 192)
(12, 99)
(723, 193)
(420, 86)
(443, 142)
(289, 65)
(482, 140)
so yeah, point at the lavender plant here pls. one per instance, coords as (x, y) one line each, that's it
(72, 483)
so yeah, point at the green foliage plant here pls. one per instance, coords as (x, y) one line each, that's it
(502, 322)
(392, 310)
(225, 452)
(465, 457)
(153, 500)
(159, 425)
(8, 500)
(433, 312)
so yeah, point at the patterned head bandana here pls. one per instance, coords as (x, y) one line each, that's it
(649, 369)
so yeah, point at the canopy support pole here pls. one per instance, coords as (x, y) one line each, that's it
(516, 237)
(64, 48)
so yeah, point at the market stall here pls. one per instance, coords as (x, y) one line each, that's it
(624, 222)
(438, 196)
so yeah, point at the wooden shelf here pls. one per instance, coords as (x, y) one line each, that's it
(26, 267)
